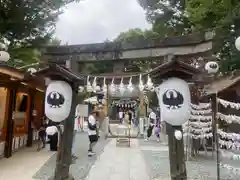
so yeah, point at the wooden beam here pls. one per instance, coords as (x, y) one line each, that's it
(12, 73)
(30, 118)
(10, 122)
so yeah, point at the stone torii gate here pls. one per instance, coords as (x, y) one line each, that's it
(187, 48)
(191, 49)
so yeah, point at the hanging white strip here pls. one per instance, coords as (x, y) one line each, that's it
(229, 144)
(230, 136)
(199, 117)
(201, 106)
(229, 104)
(229, 118)
(201, 112)
(198, 124)
(202, 136)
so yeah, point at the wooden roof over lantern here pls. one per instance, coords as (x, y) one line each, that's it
(222, 85)
(174, 67)
(55, 71)
(10, 76)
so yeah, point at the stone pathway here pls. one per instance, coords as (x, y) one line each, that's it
(200, 168)
(83, 164)
(23, 164)
(142, 161)
(118, 163)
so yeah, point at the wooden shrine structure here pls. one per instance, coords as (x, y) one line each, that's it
(21, 109)
(227, 88)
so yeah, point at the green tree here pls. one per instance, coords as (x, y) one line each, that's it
(26, 25)
(136, 34)
(134, 38)
(168, 17)
(224, 18)
(22, 56)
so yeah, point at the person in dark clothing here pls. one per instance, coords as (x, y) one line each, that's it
(54, 142)
(130, 116)
(52, 133)
(42, 135)
(92, 132)
(152, 121)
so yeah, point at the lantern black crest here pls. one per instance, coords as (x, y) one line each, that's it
(55, 99)
(213, 65)
(172, 99)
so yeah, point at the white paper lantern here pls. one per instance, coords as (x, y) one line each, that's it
(130, 85)
(51, 130)
(3, 47)
(174, 101)
(112, 88)
(97, 88)
(237, 43)
(104, 87)
(212, 67)
(89, 87)
(31, 70)
(149, 83)
(94, 84)
(140, 85)
(4, 56)
(80, 89)
(178, 135)
(121, 88)
(58, 101)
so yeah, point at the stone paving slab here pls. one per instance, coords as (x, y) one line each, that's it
(83, 164)
(200, 168)
(118, 163)
(23, 164)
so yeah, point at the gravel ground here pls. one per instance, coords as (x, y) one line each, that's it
(83, 164)
(200, 168)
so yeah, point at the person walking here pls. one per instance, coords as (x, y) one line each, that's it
(157, 129)
(120, 115)
(52, 133)
(92, 132)
(152, 120)
(42, 135)
(75, 130)
(101, 119)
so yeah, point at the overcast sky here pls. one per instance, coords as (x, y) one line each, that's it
(91, 21)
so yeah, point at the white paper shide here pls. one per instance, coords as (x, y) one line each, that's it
(174, 101)
(58, 100)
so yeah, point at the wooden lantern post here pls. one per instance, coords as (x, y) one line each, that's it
(175, 68)
(64, 159)
(176, 155)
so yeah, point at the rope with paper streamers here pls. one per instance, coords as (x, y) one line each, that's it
(199, 125)
(229, 142)
(94, 87)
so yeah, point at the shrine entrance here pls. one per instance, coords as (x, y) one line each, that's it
(124, 80)
(122, 105)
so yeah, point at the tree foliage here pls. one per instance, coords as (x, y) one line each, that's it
(22, 56)
(222, 16)
(136, 37)
(168, 17)
(28, 24)
(136, 34)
